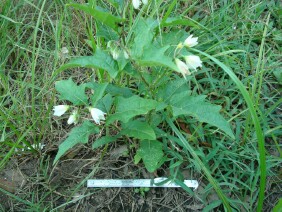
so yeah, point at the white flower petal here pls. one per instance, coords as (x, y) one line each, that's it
(59, 110)
(73, 117)
(97, 115)
(136, 3)
(193, 61)
(190, 41)
(182, 67)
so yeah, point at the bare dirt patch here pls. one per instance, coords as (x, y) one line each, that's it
(64, 186)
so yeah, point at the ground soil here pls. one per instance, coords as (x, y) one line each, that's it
(35, 179)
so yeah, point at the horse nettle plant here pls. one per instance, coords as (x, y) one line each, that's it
(152, 93)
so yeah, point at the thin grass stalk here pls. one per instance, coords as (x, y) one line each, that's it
(200, 164)
(256, 122)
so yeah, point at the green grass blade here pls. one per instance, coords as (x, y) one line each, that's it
(169, 10)
(256, 122)
(201, 164)
(260, 65)
(18, 198)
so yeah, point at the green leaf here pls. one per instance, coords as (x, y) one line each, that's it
(143, 37)
(173, 38)
(138, 129)
(156, 56)
(122, 61)
(79, 134)
(112, 89)
(151, 153)
(171, 88)
(70, 91)
(100, 59)
(102, 16)
(105, 103)
(137, 158)
(197, 107)
(278, 206)
(126, 108)
(106, 32)
(143, 49)
(98, 93)
(103, 141)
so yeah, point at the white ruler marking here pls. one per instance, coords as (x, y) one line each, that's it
(111, 183)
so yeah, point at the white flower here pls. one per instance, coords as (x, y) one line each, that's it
(190, 41)
(97, 114)
(136, 3)
(193, 61)
(145, 1)
(115, 54)
(60, 109)
(73, 117)
(182, 67)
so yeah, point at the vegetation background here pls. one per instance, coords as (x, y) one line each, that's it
(37, 37)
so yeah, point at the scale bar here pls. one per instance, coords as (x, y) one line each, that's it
(128, 183)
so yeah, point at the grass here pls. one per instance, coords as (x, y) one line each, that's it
(244, 36)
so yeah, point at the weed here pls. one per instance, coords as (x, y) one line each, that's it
(124, 73)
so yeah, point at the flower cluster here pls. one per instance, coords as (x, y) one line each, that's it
(116, 51)
(137, 3)
(191, 61)
(96, 114)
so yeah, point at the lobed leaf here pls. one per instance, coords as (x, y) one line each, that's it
(106, 32)
(143, 49)
(138, 129)
(100, 59)
(151, 153)
(171, 88)
(70, 91)
(98, 93)
(127, 108)
(79, 134)
(197, 107)
(143, 37)
(154, 56)
(105, 103)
